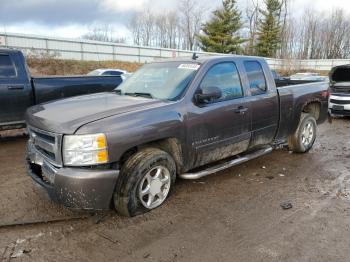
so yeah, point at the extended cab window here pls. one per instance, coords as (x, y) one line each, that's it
(224, 76)
(7, 69)
(256, 77)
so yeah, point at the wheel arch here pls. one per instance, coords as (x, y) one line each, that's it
(170, 145)
(313, 108)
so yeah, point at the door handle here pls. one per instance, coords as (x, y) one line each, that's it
(15, 87)
(241, 110)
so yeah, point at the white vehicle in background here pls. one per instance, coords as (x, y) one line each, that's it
(108, 72)
(308, 77)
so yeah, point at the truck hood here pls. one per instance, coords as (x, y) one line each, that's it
(67, 115)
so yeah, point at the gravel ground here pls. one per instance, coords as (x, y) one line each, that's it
(234, 215)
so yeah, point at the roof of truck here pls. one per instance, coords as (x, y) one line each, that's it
(205, 58)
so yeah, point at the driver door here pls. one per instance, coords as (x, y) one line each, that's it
(221, 128)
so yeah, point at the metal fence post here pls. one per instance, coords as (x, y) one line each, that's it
(6, 40)
(139, 54)
(114, 54)
(47, 45)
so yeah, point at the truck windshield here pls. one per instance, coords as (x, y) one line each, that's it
(166, 81)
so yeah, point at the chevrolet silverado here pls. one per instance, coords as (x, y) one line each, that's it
(185, 118)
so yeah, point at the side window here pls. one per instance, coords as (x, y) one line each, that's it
(225, 77)
(7, 68)
(256, 77)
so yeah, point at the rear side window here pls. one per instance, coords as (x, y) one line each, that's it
(256, 77)
(224, 76)
(7, 68)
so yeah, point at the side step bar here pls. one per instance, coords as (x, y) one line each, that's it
(230, 163)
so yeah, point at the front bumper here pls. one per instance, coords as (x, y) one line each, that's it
(339, 104)
(76, 188)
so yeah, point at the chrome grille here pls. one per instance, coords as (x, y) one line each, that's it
(340, 102)
(47, 144)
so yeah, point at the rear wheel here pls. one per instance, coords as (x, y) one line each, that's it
(145, 182)
(304, 137)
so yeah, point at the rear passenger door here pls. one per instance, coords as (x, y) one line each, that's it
(264, 104)
(221, 128)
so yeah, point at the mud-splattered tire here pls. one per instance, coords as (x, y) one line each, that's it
(145, 181)
(304, 137)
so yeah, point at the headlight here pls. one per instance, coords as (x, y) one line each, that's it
(85, 150)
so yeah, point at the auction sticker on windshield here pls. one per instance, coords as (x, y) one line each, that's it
(189, 66)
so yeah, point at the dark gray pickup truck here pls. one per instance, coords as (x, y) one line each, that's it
(18, 90)
(183, 118)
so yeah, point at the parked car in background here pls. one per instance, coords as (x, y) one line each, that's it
(308, 77)
(339, 100)
(107, 72)
(297, 79)
(18, 90)
(170, 119)
(126, 76)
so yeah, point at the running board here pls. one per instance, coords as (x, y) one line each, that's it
(225, 165)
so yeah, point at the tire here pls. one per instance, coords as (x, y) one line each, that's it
(298, 142)
(138, 175)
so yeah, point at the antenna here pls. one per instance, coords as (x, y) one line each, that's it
(194, 56)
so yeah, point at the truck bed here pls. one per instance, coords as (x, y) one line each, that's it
(55, 87)
(293, 97)
(288, 82)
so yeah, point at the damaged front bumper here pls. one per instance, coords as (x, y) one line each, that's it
(77, 188)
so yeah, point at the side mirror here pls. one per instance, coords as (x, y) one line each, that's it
(207, 94)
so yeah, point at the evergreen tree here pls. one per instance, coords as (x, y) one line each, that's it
(221, 32)
(269, 29)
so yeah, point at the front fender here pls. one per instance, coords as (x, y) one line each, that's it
(128, 131)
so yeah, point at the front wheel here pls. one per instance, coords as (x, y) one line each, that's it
(145, 182)
(304, 137)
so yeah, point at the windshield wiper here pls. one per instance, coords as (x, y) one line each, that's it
(147, 95)
(118, 91)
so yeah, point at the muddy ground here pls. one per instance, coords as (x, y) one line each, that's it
(234, 215)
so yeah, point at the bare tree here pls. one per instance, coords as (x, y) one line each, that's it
(148, 20)
(323, 36)
(191, 17)
(172, 32)
(104, 33)
(174, 29)
(287, 31)
(135, 26)
(252, 15)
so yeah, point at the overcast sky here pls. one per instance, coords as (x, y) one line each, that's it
(73, 18)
